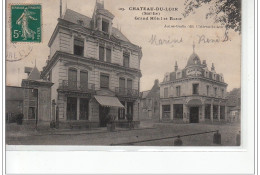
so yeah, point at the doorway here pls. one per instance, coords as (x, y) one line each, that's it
(71, 108)
(103, 112)
(194, 114)
(83, 109)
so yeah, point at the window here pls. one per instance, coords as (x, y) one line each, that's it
(207, 90)
(222, 93)
(84, 79)
(166, 111)
(126, 56)
(215, 89)
(104, 81)
(195, 89)
(165, 92)
(72, 78)
(104, 54)
(78, 47)
(122, 83)
(121, 112)
(101, 53)
(178, 91)
(108, 55)
(105, 26)
(129, 84)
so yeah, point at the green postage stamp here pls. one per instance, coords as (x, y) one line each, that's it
(26, 23)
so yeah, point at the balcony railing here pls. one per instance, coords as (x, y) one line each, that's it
(77, 86)
(125, 92)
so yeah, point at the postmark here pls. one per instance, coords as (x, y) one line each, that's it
(26, 23)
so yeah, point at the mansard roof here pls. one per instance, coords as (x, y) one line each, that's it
(75, 17)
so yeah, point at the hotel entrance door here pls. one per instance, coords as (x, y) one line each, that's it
(71, 108)
(103, 112)
(194, 114)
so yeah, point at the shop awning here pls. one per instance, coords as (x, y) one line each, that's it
(108, 101)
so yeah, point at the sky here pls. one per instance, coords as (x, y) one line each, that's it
(157, 59)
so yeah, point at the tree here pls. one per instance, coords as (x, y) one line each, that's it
(225, 12)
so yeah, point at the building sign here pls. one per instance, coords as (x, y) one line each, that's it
(193, 72)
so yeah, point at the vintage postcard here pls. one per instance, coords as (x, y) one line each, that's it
(123, 73)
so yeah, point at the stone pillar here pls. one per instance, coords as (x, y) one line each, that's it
(218, 112)
(53, 104)
(110, 28)
(99, 23)
(211, 112)
(78, 107)
(160, 112)
(203, 113)
(171, 111)
(125, 108)
(226, 114)
(186, 117)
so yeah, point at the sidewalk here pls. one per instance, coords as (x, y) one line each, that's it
(33, 132)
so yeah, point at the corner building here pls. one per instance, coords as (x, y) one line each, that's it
(193, 94)
(94, 67)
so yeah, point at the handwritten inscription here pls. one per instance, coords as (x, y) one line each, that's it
(205, 40)
(161, 41)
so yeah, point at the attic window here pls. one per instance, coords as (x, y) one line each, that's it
(78, 46)
(105, 26)
(80, 22)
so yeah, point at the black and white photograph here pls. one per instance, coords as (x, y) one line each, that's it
(130, 74)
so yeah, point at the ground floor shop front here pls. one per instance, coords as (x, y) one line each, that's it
(193, 110)
(94, 109)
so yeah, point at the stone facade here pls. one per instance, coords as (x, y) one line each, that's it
(88, 58)
(193, 94)
(150, 100)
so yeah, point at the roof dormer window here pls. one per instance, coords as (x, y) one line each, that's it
(105, 26)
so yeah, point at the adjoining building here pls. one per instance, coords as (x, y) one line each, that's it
(234, 105)
(150, 101)
(33, 99)
(193, 94)
(94, 67)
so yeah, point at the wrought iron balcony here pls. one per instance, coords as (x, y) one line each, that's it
(77, 86)
(125, 92)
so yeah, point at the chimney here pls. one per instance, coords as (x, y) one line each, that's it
(212, 67)
(60, 8)
(176, 66)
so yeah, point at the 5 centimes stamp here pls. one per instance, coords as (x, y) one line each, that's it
(26, 23)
